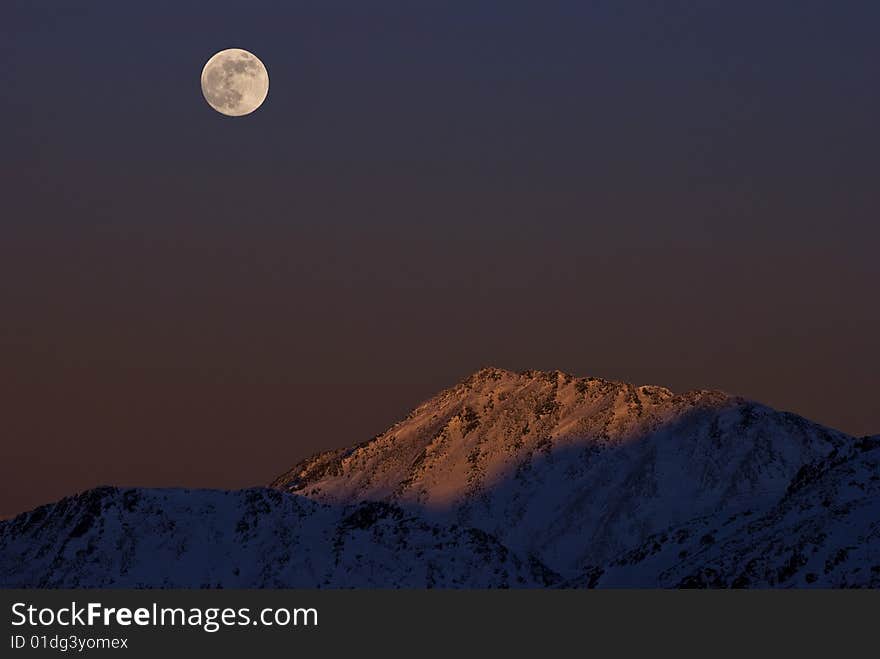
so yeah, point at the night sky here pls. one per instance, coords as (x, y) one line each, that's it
(679, 193)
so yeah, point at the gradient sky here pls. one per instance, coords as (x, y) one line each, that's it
(679, 193)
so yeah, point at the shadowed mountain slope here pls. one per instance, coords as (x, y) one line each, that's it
(258, 538)
(824, 531)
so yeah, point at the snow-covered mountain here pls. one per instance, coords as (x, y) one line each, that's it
(257, 538)
(507, 479)
(824, 531)
(574, 470)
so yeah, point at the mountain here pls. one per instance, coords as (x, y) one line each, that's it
(257, 538)
(534, 479)
(574, 470)
(824, 531)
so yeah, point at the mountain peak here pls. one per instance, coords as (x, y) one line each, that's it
(492, 450)
(491, 375)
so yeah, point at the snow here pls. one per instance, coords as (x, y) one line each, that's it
(505, 480)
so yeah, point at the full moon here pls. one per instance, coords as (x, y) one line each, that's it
(235, 82)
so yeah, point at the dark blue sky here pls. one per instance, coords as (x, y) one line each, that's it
(681, 193)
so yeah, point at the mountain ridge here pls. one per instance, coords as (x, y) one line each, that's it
(533, 479)
(110, 537)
